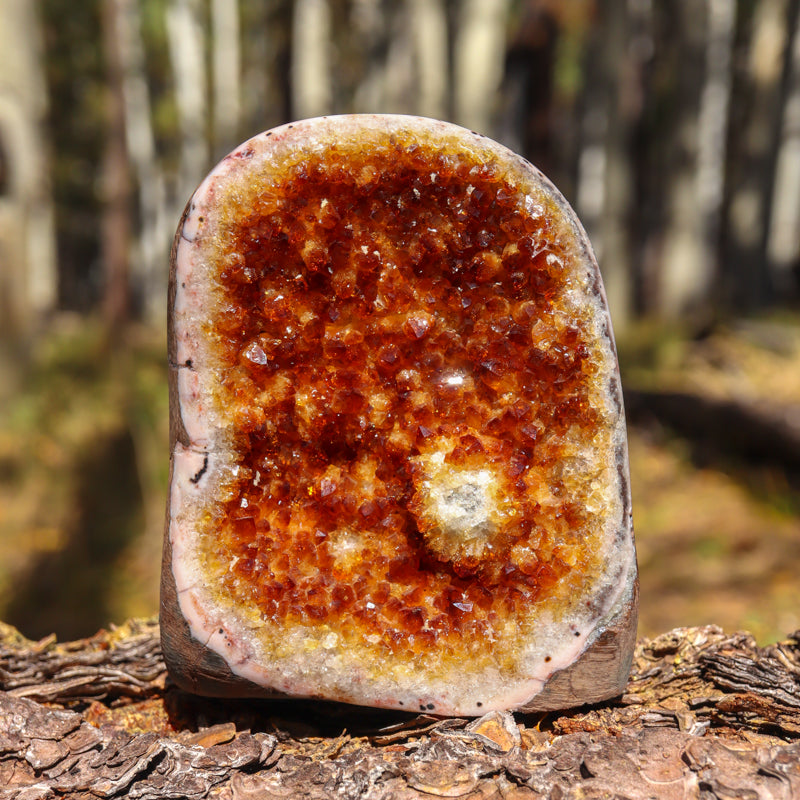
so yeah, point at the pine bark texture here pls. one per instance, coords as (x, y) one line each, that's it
(705, 714)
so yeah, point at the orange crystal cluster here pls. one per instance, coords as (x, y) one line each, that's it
(406, 386)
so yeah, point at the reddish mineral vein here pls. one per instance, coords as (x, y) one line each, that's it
(408, 381)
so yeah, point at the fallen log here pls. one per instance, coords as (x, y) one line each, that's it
(704, 713)
(757, 432)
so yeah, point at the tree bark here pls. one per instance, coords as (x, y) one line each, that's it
(704, 714)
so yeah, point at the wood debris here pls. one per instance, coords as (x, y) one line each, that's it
(705, 714)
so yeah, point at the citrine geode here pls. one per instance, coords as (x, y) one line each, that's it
(399, 461)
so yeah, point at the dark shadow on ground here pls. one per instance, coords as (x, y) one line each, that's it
(67, 592)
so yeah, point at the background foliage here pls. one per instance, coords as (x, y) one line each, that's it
(671, 127)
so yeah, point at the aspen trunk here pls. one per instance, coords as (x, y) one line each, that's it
(226, 70)
(479, 56)
(604, 186)
(683, 278)
(430, 45)
(753, 141)
(711, 146)
(311, 61)
(371, 35)
(147, 256)
(399, 90)
(185, 36)
(28, 281)
(117, 186)
(783, 247)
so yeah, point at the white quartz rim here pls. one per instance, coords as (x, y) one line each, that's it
(197, 464)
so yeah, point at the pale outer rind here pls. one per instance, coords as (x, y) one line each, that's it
(200, 461)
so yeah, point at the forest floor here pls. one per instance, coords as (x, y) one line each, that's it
(84, 463)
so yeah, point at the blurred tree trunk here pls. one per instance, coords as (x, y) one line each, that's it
(115, 236)
(429, 23)
(255, 62)
(28, 281)
(605, 181)
(527, 123)
(311, 59)
(154, 234)
(186, 50)
(764, 38)
(479, 57)
(371, 42)
(683, 278)
(712, 127)
(403, 62)
(399, 92)
(783, 246)
(265, 37)
(226, 69)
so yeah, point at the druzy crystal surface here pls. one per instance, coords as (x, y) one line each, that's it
(402, 439)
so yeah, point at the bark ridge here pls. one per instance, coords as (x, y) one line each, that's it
(705, 714)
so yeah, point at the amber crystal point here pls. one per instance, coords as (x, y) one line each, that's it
(399, 472)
